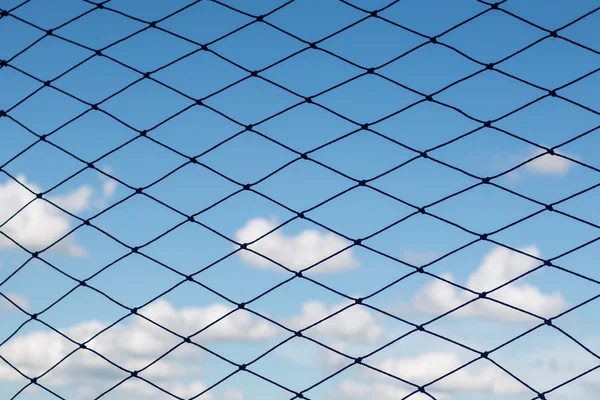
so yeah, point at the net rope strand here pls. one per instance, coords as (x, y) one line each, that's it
(246, 129)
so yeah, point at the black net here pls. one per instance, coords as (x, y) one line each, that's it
(358, 94)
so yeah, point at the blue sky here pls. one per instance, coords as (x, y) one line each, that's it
(249, 157)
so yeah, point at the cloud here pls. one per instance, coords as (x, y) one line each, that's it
(548, 164)
(295, 252)
(427, 367)
(179, 389)
(133, 346)
(419, 258)
(35, 227)
(40, 224)
(109, 186)
(239, 326)
(233, 394)
(559, 361)
(76, 201)
(6, 306)
(353, 324)
(352, 332)
(423, 369)
(353, 390)
(331, 361)
(498, 267)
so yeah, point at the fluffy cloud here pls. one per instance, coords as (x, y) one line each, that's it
(182, 390)
(133, 346)
(233, 394)
(559, 361)
(109, 186)
(548, 164)
(237, 326)
(499, 266)
(295, 252)
(331, 361)
(353, 324)
(40, 224)
(353, 390)
(479, 377)
(35, 227)
(76, 201)
(419, 258)
(422, 369)
(353, 332)
(6, 306)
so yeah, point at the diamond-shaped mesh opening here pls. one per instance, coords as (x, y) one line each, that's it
(17, 86)
(425, 68)
(364, 43)
(155, 104)
(51, 65)
(96, 79)
(24, 35)
(320, 71)
(284, 199)
(406, 182)
(257, 46)
(90, 29)
(413, 127)
(381, 153)
(46, 111)
(46, 16)
(366, 99)
(437, 17)
(304, 184)
(569, 359)
(307, 127)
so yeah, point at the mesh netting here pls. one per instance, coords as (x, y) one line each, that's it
(299, 199)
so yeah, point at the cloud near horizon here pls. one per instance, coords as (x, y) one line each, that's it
(132, 345)
(136, 343)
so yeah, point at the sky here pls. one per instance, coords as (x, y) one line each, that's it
(256, 139)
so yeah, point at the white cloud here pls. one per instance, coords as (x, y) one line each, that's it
(333, 361)
(40, 224)
(354, 324)
(240, 325)
(35, 227)
(478, 377)
(353, 390)
(109, 186)
(6, 306)
(558, 361)
(180, 389)
(498, 267)
(233, 394)
(295, 252)
(548, 164)
(76, 201)
(419, 258)
(133, 346)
